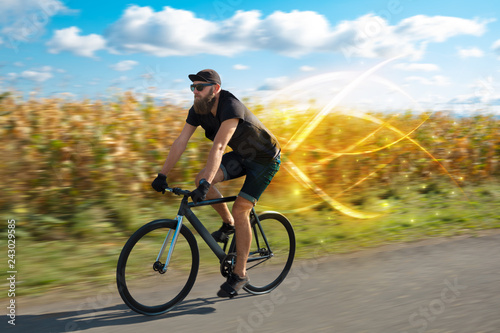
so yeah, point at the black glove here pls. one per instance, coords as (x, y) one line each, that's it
(160, 183)
(201, 192)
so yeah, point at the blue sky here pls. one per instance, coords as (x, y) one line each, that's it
(445, 55)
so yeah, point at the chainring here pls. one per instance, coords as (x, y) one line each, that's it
(227, 264)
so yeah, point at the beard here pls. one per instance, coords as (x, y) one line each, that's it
(203, 105)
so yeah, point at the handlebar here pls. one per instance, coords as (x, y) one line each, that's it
(177, 191)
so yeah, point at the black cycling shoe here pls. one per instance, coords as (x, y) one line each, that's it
(233, 284)
(222, 235)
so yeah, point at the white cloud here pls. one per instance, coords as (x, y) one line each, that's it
(274, 83)
(483, 96)
(39, 75)
(170, 32)
(472, 52)
(294, 33)
(439, 28)
(25, 7)
(124, 65)
(36, 76)
(69, 40)
(484, 87)
(373, 37)
(24, 21)
(466, 99)
(166, 33)
(307, 69)
(496, 47)
(240, 67)
(417, 67)
(45, 69)
(436, 80)
(119, 80)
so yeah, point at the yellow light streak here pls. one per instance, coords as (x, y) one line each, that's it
(308, 183)
(307, 128)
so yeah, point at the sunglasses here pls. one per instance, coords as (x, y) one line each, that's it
(200, 86)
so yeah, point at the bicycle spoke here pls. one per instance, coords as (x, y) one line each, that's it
(260, 262)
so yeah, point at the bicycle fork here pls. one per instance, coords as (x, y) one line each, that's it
(162, 268)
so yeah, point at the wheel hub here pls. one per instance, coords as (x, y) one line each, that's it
(159, 267)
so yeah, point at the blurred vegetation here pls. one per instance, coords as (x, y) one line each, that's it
(76, 177)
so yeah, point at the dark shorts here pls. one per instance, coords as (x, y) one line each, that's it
(258, 174)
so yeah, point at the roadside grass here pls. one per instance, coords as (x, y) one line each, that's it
(87, 259)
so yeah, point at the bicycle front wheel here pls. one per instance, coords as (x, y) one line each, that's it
(142, 282)
(271, 254)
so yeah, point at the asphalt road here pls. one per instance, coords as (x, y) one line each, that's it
(436, 286)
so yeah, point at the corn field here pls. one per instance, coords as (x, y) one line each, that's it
(61, 157)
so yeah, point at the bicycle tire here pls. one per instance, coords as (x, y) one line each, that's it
(138, 281)
(281, 238)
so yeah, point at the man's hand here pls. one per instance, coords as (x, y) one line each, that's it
(201, 192)
(160, 183)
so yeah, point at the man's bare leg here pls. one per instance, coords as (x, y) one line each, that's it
(240, 217)
(241, 214)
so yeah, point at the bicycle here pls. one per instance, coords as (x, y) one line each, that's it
(148, 276)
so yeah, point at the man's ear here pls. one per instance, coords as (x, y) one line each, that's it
(218, 88)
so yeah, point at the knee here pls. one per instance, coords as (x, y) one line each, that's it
(242, 207)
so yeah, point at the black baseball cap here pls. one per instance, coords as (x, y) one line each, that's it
(207, 75)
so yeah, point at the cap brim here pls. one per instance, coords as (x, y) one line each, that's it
(194, 77)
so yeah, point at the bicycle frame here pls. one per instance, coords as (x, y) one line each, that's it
(198, 225)
(185, 211)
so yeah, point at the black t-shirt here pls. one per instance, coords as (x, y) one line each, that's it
(252, 140)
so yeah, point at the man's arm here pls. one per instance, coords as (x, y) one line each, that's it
(225, 133)
(178, 148)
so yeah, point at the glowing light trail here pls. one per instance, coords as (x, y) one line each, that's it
(298, 138)
(304, 131)
(307, 182)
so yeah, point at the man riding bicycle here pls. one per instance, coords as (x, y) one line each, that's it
(255, 154)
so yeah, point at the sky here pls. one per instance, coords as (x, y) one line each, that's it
(439, 55)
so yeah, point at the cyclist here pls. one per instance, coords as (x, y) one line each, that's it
(255, 154)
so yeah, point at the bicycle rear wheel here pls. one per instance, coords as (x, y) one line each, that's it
(142, 284)
(271, 254)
